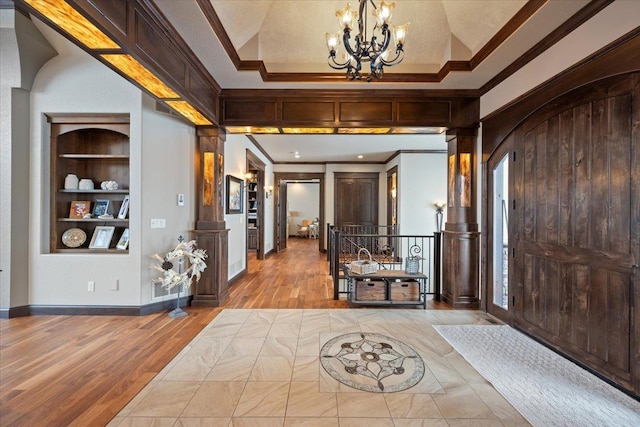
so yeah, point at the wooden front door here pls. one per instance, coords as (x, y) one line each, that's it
(356, 199)
(577, 222)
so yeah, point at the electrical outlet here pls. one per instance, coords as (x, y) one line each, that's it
(158, 223)
(91, 286)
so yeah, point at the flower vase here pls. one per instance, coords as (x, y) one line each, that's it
(177, 312)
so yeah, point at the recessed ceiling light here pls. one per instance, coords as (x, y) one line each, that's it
(296, 155)
(360, 156)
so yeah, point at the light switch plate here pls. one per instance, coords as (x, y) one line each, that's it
(180, 199)
(158, 223)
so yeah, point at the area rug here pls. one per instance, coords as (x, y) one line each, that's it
(546, 388)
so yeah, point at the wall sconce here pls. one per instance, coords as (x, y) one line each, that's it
(439, 208)
(268, 191)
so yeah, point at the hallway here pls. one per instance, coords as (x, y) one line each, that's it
(297, 277)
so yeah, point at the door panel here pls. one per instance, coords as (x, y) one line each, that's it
(367, 206)
(356, 199)
(574, 238)
(345, 207)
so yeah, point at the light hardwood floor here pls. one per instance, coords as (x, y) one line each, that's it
(82, 370)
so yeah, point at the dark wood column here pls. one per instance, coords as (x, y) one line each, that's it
(461, 237)
(211, 233)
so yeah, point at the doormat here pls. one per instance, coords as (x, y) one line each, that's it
(546, 388)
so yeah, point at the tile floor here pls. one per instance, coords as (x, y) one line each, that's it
(262, 368)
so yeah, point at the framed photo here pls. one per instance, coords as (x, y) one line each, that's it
(123, 243)
(235, 190)
(124, 208)
(101, 207)
(102, 237)
(79, 208)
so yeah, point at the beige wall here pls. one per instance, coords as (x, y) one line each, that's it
(161, 154)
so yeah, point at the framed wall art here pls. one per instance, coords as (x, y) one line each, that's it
(79, 208)
(123, 243)
(235, 191)
(101, 207)
(102, 236)
(124, 208)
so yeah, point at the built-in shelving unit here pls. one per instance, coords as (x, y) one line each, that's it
(91, 147)
(252, 213)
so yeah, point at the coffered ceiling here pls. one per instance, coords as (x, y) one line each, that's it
(453, 48)
(451, 44)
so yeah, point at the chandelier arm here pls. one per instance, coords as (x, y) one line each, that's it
(335, 64)
(395, 61)
(383, 47)
(345, 41)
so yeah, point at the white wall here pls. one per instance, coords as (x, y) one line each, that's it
(614, 21)
(422, 180)
(316, 168)
(167, 165)
(22, 53)
(303, 198)
(161, 154)
(235, 163)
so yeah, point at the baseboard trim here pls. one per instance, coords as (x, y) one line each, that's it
(92, 310)
(9, 313)
(237, 277)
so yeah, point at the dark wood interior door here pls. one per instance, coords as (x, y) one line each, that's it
(356, 199)
(578, 227)
(281, 216)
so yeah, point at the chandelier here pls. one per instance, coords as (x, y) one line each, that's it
(363, 49)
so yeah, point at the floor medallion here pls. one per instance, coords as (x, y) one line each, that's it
(372, 362)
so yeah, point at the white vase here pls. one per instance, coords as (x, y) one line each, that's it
(71, 182)
(85, 184)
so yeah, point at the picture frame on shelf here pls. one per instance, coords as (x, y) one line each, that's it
(235, 193)
(102, 236)
(101, 207)
(79, 208)
(123, 243)
(124, 208)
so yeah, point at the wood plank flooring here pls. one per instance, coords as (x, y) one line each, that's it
(82, 370)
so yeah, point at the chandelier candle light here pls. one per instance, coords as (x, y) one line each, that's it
(364, 49)
(171, 277)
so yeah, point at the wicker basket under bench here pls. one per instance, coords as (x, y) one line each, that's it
(386, 288)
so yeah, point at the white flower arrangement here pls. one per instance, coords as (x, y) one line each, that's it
(170, 277)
